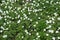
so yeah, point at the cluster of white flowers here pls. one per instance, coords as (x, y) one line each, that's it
(20, 14)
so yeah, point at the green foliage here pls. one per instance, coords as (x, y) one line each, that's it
(26, 20)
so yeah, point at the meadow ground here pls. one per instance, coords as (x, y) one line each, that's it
(29, 19)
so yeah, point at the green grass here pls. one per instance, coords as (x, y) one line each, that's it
(30, 20)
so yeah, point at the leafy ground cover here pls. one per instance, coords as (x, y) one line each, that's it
(29, 19)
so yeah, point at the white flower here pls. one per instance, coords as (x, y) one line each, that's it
(49, 26)
(48, 21)
(4, 36)
(35, 10)
(4, 23)
(7, 22)
(34, 1)
(58, 37)
(38, 36)
(29, 33)
(37, 5)
(34, 25)
(29, 13)
(36, 22)
(47, 34)
(7, 12)
(57, 2)
(27, 0)
(18, 16)
(22, 36)
(22, 26)
(38, 17)
(0, 17)
(25, 16)
(47, 1)
(40, 9)
(51, 2)
(6, 29)
(44, 29)
(18, 8)
(53, 38)
(51, 31)
(53, 18)
(58, 18)
(26, 31)
(2, 27)
(58, 28)
(37, 33)
(1, 31)
(18, 21)
(57, 31)
(30, 19)
(55, 14)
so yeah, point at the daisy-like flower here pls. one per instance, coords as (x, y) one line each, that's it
(51, 31)
(4, 36)
(53, 38)
(58, 18)
(18, 21)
